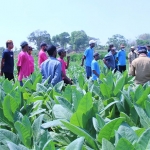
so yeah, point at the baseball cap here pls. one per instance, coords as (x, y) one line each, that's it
(95, 54)
(24, 43)
(43, 44)
(92, 41)
(142, 49)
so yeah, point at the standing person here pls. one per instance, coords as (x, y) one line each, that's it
(110, 47)
(132, 55)
(51, 68)
(42, 54)
(31, 59)
(115, 58)
(121, 57)
(140, 67)
(7, 62)
(95, 67)
(148, 51)
(64, 65)
(88, 57)
(23, 63)
(109, 60)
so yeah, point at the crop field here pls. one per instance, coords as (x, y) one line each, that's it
(110, 114)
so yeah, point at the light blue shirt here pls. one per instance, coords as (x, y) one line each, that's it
(89, 56)
(121, 55)
(51, 68)
(148, 53)
(95, 66)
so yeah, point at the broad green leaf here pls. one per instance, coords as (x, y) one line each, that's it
(108, 131)
(37, 112)
(61, 113)
(106, 145)
(139, 131)
(76, 97)
(76, 144)
(95, 124)
(36, 127)
(3, 147)
(13, 146)
(100, 121)
(7, 86)
(80, 132)
(40, 88)
(65, 103)
(78, 119)
(6, 135)
(128, 133)
(144, 140)
(128, 119)
(124, 144)
(106, 92)
(119, 84)
(147, 107)
(68, 93)
(58, 87)
(49, 145)
(81, 81)
(86, 104)
(144, 119)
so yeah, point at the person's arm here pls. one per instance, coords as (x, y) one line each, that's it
(83, 58)
(106, 62)
(57, 74)
(2, 65)
(129, 59)
(95, 73)
(65, 77)
(132, 70)
(18, 69)
(68, 61)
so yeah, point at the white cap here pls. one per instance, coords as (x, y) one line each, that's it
(92, 41)
(132, 47)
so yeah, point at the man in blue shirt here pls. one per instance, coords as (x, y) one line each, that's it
(7, 62)
(121, 57)
(95, 67)
(51, 67)
(148, 51)
(88, 57)
(109, 60)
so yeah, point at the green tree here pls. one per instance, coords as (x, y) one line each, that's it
(143, 39)
(37, 37)
(117, 40)
(78, 40)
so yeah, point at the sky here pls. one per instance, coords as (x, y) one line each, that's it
(98, 18)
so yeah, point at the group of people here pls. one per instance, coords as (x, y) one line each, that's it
(139, 62)
(50, 67)
(54, 69)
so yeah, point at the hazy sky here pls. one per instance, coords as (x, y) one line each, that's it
(98, 18)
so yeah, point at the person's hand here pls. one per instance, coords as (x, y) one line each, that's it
(1, 73)
(68, 58)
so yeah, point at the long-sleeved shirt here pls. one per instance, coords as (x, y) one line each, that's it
(51, 68)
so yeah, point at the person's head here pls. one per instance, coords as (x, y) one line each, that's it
(30, 50)
(9, 44)
(24, 46)
(61, 52)
(92, 43)
(132, 48)
(96, 56)
(142, 49)
(43, 46)
(122, 46)
(148, 47)
(113, 50)
(51, 50)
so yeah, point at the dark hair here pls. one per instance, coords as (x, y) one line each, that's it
(24, 46)
(51, 49)
(8, 42)
(110, 46)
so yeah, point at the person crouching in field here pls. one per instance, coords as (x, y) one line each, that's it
(42, 54)
(88, 57)
(140, 67)
(51, 68)
(109, 60)
(23, 63)
(64, 65)
(95, 67)
(31, 59)
(7, 63)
